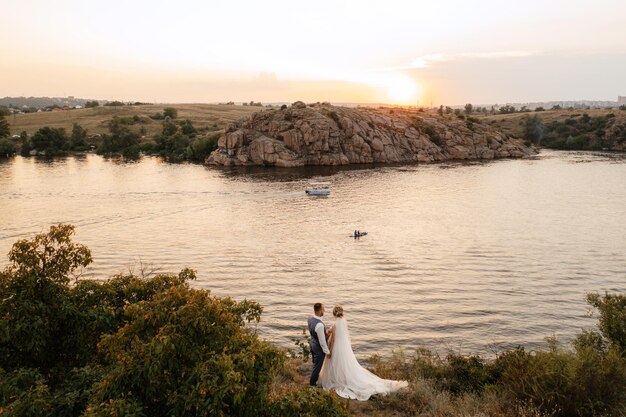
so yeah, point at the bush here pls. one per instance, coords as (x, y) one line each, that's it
(129, 345)
(612, 321)
(7, 148)
(50, 140)
(119, 139)
(533, 129)
(170, 112)
(202, 147)
(5, 131)
(308, 403)
(78, 140)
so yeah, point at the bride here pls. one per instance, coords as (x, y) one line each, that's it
(342, 372)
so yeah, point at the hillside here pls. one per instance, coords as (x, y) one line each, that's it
(207, 116)
(601, 129)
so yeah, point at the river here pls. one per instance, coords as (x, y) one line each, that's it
(468, 257)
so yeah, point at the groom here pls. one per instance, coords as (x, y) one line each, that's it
(318, 345)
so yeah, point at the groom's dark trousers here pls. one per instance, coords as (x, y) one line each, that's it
(316, 351)
(318, 361)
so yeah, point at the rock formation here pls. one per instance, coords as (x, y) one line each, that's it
(321, 134)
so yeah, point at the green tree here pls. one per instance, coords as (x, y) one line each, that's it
(78, 139)
(469, 108)
(130, 346)
(52, 141)
(612, 321)
(119, 139)
(25, 147)
(533, 129)
(200, 148)
(5, 130)
(188, 129)
(7, 148)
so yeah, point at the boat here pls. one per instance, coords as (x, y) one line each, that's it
(318, 189)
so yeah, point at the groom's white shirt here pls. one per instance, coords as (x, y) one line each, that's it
(320, 330)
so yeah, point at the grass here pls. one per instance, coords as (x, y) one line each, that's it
(95, 119)
(512, 124)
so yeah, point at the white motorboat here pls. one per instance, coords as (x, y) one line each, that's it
(318, 189)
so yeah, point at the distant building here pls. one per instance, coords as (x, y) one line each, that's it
(621, 100)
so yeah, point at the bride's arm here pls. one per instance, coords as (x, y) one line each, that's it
(331, 339)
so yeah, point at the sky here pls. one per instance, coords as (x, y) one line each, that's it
(401, 52)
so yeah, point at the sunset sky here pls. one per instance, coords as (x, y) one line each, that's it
(440, 52)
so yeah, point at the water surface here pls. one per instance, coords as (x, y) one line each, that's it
(469, 257)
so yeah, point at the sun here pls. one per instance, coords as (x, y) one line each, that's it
(402, 90)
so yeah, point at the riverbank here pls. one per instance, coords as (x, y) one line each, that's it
(152, 345)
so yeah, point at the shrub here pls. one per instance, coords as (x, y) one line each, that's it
(7, 148)
(612, 321)
(52, 141)
(129, 345)
(170, 112)
(78, 139)
(202, 147)
(308, 403)
(5, 131)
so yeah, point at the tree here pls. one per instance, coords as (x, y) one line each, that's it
(507, 109)
(170, 112)
(78, 139)
(91, 104)
(130, 346)
(5, 130)
(440, 110)
(7, 148)
(25, 147)
(188, 129)
(533, 129)
(120, 138)
(468, 108)
(52, 141)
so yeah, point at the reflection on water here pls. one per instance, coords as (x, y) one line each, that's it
(458, 256)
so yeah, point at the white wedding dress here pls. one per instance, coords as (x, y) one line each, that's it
(343, 373)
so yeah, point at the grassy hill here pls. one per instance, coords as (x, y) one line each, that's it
(203, 117)
(513, 124)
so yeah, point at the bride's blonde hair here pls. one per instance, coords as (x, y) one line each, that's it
(338, 311)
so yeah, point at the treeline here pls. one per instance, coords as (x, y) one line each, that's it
(178, 140)
(506, 109)
(130, 346)
(577, 132)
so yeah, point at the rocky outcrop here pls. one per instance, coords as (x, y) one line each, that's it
(321, 134)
